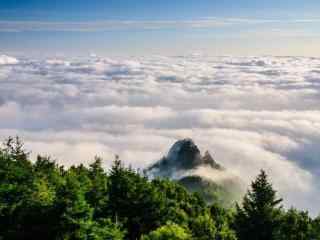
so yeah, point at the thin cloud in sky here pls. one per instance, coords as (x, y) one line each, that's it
(92, 26)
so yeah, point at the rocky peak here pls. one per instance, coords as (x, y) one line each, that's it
(208, 159)
(184, 154)
(185, 164)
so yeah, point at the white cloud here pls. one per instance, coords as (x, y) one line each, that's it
(6, 60)
(250, 112)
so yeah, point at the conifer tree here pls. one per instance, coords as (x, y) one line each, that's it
(259, 216)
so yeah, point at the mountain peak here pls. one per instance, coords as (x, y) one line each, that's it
(185, 164)
(183, 155)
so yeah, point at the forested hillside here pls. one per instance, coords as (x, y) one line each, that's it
(42, 200)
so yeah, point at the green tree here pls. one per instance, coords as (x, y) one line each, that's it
(203, 228)
(223, 219)
(105, 229)
(133, 201)
(16, 178)
(97, 196)
(296, 225)
(170, 231)
(316, 228)
(179, 206)
(259, 216)
(76, 214)
(226, 233)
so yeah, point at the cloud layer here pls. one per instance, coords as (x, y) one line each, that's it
(250, 112)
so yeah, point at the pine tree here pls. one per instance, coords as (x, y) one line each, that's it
(259, 216)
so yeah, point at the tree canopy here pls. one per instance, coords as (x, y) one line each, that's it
(42, 200)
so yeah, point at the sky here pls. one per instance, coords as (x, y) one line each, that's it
(241, 78)
(169, 27)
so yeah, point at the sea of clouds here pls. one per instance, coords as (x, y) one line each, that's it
(250, 112)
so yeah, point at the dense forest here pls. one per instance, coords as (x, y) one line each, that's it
(42, 200)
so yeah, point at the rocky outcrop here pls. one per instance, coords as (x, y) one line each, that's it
(198, 173)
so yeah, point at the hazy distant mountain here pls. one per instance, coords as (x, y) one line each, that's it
(185, 164)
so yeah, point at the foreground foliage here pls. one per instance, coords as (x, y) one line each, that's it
(41, 200)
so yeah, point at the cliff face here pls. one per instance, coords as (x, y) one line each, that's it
(185, 164)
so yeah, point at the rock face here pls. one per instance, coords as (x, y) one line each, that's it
(184, 155)
(185, 164)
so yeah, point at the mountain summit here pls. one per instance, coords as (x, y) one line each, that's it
(186, 155)
(185, 164)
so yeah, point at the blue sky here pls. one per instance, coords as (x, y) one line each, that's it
(127, 27)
